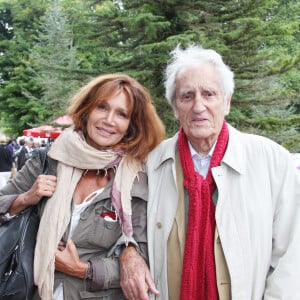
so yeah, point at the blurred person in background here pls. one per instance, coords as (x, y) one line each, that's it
(36, 143)
(10, 146)
(6, 162)
(24, 153)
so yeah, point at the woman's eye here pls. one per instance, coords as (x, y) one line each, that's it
(123, 115)
(101, 106)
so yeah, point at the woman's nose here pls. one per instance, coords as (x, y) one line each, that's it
(109, 117)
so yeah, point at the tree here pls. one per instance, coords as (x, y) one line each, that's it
(262, 50)
(16, 111)
(52, 62)
(259, 39)
(6, 33)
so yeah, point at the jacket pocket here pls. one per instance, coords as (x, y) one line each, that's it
(99, 228)
(111, 294)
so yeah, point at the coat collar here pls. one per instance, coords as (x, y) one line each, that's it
(166, 151)
(234, 156)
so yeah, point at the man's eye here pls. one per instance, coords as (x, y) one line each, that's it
(208, 94)
(186, 97)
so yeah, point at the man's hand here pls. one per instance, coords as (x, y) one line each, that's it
(136, 279)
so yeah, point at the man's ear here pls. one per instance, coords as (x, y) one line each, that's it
(175, 112)
(227, 105)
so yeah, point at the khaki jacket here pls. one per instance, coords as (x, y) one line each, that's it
(94, 237)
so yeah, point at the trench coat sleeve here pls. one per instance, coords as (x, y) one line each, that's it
(283, 278)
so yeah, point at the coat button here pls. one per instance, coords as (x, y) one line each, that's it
(159, 225)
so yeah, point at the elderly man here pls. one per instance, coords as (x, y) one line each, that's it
(223, 208)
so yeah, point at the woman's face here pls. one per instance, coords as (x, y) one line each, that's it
(108, 122)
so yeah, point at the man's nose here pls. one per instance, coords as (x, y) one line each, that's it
(199, 104)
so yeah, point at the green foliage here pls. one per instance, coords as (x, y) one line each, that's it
(16, 111)
(52, 61)
(50, 48)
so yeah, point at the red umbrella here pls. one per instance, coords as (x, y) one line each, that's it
(63, 120)
(44, 131)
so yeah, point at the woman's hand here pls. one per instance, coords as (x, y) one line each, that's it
(44, 186)
(67, 260)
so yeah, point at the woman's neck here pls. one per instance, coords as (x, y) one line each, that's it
(90, 181)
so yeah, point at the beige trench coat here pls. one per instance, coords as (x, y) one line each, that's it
(257, 216)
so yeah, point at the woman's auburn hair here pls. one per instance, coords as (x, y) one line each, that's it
(145, 131)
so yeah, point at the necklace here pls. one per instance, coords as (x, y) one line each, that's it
(100, 172)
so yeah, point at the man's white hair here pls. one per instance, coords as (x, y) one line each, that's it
(191, 56)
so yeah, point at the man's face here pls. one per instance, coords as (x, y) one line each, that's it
(200, 105)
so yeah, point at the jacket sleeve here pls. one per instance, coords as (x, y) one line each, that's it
(21, 183)
(283, 278)
(106, 272)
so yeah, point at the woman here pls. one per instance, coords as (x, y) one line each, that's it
(97, 190)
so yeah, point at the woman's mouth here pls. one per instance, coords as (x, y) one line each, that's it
(105, 132)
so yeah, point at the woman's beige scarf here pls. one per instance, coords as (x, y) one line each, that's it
(74, 156)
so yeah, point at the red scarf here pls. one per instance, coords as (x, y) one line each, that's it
(198, 281)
